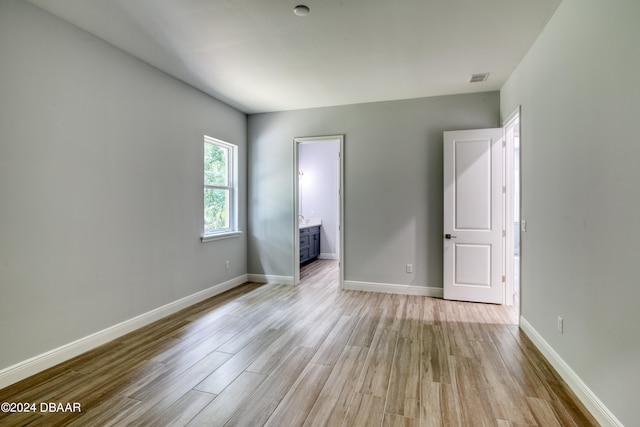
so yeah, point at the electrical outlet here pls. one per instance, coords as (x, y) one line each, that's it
(227, 264)
(409, 268)
(560, 324)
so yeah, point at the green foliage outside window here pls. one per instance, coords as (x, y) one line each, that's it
(216, 190)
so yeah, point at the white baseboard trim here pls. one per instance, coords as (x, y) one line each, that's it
(328, 256)
(389, 288)
(43, 361)
(599, 411)
(270, 279)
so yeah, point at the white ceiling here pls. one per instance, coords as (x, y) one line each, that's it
(257, 56)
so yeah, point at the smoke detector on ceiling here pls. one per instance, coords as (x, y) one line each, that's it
(477, 78)
(301, 10)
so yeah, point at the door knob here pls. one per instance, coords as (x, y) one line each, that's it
(449, 236)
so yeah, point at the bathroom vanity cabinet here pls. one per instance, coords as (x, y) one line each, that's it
(309, 243)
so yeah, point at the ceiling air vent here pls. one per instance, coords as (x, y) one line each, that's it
(477, 78)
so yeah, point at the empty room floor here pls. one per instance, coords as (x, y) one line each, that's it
(310, 355)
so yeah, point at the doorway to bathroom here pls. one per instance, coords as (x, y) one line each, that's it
(318, 207)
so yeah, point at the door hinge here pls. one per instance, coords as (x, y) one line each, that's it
(504, 233)
(504, 189)
(504, 143)
(504, 279)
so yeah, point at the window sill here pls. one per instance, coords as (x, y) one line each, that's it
(220, 236)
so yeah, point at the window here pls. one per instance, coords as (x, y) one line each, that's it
(219, 189)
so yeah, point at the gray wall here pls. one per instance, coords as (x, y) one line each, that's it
(578, 87)
(100, 185)
(393, 183)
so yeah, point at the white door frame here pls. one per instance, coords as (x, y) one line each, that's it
(509, 209)
(296, 204)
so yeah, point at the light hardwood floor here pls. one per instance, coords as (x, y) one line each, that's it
(311, 355)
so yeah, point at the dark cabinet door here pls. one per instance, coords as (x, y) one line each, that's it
(315, 246)
(309, 243)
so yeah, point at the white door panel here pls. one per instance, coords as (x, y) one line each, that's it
(473, 215)
(472, 165)
(473, 265)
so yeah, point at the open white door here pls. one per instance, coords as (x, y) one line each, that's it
(473, 216)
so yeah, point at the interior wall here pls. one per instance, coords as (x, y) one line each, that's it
(392, 176)
(318, 190)
(100, 185)
(578, 87)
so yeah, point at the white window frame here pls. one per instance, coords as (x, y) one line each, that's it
(232, 168)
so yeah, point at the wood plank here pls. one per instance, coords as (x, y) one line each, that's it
(543, 412)
(297, 403)
(439, 406)
(524, 374)
(391, 420)
(365, 410)
(184, 353)
(330, 408)
(317, 331)
(273, 389)
(33, 390)
(336, 341)
(475, 402)
(183, 410)
(403, 394)
(238, 341)
(218, 412)
(24, 419)
(435, 359)
(412, 322)
(160, 394)
(272, 355)
(104, 412)
(568, 408)
(377, 369)
(505, 423)
(233, 367)
(505, 398)
(366, 328)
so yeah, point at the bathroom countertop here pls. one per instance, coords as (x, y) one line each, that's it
(312, 222)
